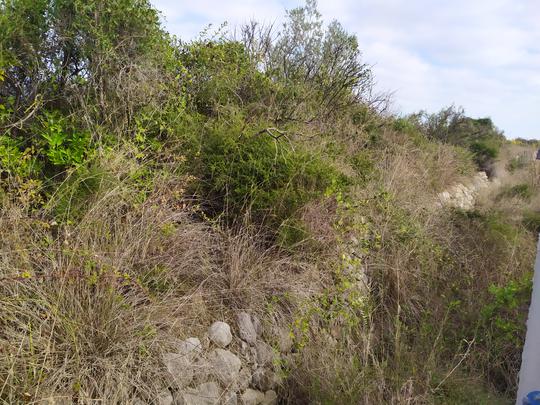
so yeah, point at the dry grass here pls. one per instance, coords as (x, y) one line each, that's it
(87, 309)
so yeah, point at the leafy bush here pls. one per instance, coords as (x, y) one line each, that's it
(220, 73)
(451, 125)
(319, 71)
(248, 169)
(64, 145)
(484, 153)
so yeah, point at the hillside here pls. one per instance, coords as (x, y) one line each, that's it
(241, 220)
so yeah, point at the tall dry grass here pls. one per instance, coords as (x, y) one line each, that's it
(88, 307)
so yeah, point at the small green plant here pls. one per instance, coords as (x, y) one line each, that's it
(64, 145)
(531, 220)
(516, 163)
(505, 311)
(17, 160)
(523, 191)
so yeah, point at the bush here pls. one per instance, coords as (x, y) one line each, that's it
(531, 220)
(319, 71)
(246, 169)
(516, 163)
(522, 191)
(484, 153)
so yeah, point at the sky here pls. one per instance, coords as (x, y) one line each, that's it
(483, 55)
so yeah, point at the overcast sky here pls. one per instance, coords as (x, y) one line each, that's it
(483, 55)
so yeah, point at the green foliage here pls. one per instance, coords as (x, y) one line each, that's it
(516, 163)
(484, 152)
(16, 160)
(291, 232)
(450, 125)
(319, 71)
(508, 298)
(364, 166)
(523, 191)
(220, 73)
(504, 325)
(531, 220)
(70, 199)
(64, 145)
(247, 169)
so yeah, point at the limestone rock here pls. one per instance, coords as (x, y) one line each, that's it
(190, 348)
(244, 379)
(225, 365)
(270, 398)
(208, 393)
(265, 353)
(257, 325)
(179, 367)
(249, 353)
(252, 397)
(220, 333)
(246, 329)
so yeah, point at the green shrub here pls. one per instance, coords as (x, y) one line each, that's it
(16, 159)
(531, 220)
(64, 145)
(516, 163)
(484, 152)
(523, 191)
(246, 169)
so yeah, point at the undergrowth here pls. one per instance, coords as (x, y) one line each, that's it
(147, 184)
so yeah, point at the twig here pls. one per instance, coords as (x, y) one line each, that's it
(272, 132)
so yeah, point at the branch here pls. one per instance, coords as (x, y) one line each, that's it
(272, 132)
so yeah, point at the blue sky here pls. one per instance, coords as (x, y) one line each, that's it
(483, 55)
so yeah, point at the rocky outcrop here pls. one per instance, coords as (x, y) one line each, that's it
(225, 369)
(463, 195)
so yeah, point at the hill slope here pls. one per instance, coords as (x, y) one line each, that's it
(151, 187)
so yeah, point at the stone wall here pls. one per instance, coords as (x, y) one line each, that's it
(225, 366)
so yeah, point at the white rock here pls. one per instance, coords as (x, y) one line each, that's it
(208, 393)
(249, 353)
(190, 347)
(244, 379)
(220, 333)
(252, 397)
(225, 365)
(246, 328)
(180, 368)
(270, 398)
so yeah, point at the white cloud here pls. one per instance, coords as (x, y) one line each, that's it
(481, 54)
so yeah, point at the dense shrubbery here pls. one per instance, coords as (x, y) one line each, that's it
(452, 126)
(142, 177)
